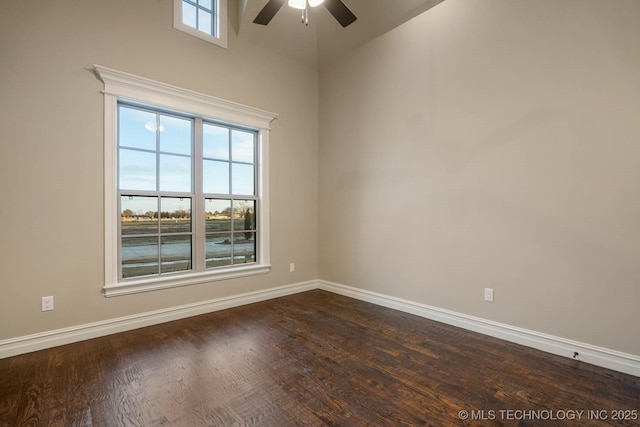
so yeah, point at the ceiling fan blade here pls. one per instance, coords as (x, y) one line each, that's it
(340, 11)
(268, 12)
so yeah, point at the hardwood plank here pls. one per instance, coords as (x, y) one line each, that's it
(313, 359)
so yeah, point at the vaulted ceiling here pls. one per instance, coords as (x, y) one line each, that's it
(324, 38)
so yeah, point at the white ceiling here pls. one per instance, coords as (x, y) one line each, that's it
(324, 38)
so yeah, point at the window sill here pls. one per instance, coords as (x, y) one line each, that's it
(218, 41)
(173, 281)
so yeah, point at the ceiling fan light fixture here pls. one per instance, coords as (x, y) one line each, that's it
(337, 8)
(298, 4)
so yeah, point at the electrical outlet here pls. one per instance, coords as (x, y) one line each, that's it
(488, 294)
(47, 303)
(292, 267)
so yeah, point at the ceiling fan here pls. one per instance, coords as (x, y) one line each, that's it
(337, 8)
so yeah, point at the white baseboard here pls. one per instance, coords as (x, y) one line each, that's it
(26, 344)
(599, 356)
(588, 353)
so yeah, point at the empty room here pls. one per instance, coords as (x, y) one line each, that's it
(306, 212)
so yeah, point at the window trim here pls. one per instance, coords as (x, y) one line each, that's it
(133, 89)
(219, 39)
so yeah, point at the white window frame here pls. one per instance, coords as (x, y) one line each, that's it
(123, 86)
(220, 10)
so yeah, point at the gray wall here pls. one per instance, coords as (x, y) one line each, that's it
(492, 143)
(482, 144)
(51, 151)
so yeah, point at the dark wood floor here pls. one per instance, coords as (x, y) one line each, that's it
(309, 359)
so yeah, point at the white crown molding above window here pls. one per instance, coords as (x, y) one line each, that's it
(135, 88)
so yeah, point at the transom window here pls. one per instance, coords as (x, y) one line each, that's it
(201, 15)
(205, 19)
(186, 182)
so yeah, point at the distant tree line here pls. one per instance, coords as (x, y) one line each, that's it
(180, 213)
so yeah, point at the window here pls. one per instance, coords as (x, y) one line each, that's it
(205, 19)
(157, 192)
(186, 182)
(155, 182)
